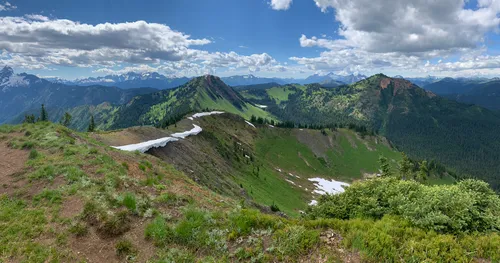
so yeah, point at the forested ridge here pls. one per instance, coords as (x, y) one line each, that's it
(463, 137)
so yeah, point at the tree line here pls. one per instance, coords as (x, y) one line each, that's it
(65, 120)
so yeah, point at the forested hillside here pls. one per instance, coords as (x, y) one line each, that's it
(463, 137)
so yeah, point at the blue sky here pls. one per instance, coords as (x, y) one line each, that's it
(284, 38)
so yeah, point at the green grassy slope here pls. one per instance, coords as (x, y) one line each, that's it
(66, 197)
(235, 159)
(425, 126)
(207, 92)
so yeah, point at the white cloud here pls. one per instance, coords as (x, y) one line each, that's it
(412, 26)
(7, 6)
(36, 41)
(380, 35)
(280, 4)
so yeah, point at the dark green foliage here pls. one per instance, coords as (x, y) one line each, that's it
(79, 229)
(33, 154)
(405, 167)
(467, 206)
(27, 145)
(129, 201)
(29, 118)
(423, 172)
(295, 240)
(385, 167)
(91, 127)
(159, 231)
(50, 196)
(66, 119)
(274, 207)
(115, 225)
(124, 248)
(43, 114)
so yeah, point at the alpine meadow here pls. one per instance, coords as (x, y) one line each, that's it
(250, 131)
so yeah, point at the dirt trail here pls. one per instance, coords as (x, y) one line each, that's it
(11, 163)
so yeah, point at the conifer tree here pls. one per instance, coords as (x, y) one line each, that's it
(385, 167)
(66, 120)
(423, 173)
(91, 124)
(405, 168)
(43, 114)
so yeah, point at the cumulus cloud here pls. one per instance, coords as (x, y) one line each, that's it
(7, 6)
(377, 35)
(35, 41)
(410, 26)
(280, 4)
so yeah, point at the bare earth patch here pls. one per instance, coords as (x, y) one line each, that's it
(71, 207)
(11, 162)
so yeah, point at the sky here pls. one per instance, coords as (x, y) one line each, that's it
(269, 38)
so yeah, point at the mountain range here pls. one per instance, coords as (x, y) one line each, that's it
(482, 92)
(21, 93)
(159, 81)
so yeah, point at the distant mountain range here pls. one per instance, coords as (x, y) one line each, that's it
(482, 92)
(20, 93)
(128, 81)
(159, 81)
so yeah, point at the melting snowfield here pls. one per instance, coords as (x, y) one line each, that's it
(201, 114)
(161, 142)
(145, 146)
(249, 123)
(328, 187)
(194, 131)
(324, 186)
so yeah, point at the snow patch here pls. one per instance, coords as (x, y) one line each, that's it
(249, 123)
(194, 131)
(145, 146)
(313, 202)
(261, 106)
(328, 187)
(290, 181)
(201, 114)
(14, 81)
(271, 126)
(190, 118)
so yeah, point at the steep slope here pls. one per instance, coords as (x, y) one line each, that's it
(20, 93)
(264, 164)
(416, 121)
(206, 92)
(68, 198)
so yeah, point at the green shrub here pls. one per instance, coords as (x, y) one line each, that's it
(50, 196)
(467, 206)
(125, 248)
(33, 154)
(28, 145)
(242, 221)
(115, 225)
(176, 255)
(295, 240)
(79, 229)
(129, 201)
(159, 231)
(46, 172)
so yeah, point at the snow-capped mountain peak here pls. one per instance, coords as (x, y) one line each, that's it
(8, 79)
